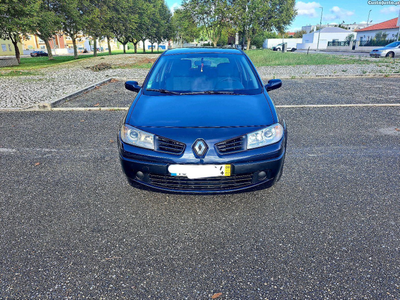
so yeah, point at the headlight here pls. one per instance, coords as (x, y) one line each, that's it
(136, 137)
(264, 137)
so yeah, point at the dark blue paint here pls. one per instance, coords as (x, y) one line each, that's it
(213, 118)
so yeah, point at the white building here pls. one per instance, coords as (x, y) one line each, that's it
(391, 28)
(327, 34)
(348, 26)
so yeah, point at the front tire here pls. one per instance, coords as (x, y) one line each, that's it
(390, 54)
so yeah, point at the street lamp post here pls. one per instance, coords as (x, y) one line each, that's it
(320, 24)
(368, 16)
(398, 24)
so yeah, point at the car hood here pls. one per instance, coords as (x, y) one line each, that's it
(383, 48)
(201, 111)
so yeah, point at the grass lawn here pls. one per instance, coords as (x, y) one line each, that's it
(35, 63)
(260, 58)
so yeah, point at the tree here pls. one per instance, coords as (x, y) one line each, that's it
(185, 26)
(341, 25)
(47, 23)
(16, 16)
(122, 21)
(72, 19)
(254, 16)
(381, 36)
(144, 30)
(165, 27)
(350, 37)
(213, 15)
(154, 28)
(93, 21)
(299, 34)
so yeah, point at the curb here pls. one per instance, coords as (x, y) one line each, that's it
(54, 103)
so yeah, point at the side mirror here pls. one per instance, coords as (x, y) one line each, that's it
(132, 86)
(273, 84)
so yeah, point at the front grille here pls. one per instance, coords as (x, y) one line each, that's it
(207, 184)
(169, 146)
(232, 145)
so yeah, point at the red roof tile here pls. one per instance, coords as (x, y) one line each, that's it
(391, 24)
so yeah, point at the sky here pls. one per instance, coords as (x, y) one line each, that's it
(335, 12)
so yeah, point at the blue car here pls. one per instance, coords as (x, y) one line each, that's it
(202, 122)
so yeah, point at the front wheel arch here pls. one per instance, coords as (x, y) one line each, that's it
(390, 54)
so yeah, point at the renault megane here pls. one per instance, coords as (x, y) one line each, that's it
(202, 122)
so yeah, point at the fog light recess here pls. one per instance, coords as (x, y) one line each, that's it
(140, 175)
(262, 175)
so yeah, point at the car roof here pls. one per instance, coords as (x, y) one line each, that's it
(202, 50)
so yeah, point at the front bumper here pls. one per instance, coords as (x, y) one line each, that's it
(377, 54)
(246, 173)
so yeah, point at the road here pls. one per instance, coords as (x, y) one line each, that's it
(71, 226)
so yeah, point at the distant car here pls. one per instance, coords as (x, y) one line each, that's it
(39, 53)
(279, 48)
(202, 122)
(391, 50)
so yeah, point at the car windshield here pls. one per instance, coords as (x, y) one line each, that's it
(394, 44)
(203, 73)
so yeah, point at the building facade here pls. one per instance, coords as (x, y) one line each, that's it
(319, 39)
(390, 28)
(7, 48)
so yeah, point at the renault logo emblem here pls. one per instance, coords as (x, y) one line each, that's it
(200, 148)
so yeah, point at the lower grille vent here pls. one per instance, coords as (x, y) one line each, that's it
(212, 183)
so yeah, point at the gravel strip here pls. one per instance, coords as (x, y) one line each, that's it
(55, 82)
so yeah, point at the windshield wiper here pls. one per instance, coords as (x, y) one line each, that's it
(210, 93)
(163, 91)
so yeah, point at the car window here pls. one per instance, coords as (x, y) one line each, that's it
(200, 72)
(394, 44)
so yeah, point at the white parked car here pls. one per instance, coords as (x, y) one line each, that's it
(290, 48)
(391, 50)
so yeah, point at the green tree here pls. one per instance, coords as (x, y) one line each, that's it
(145, 27)
(185, 26)
(122, 21)
(259, 39)
(141, 23)
(341, 25)
(47, 23)
(254, 16)
(212, 15)
(154, 30)
(165, 30)
(95, 14)
(299, 34)
(381, 36)
(350, 37)
(72, 19)
(16, 19)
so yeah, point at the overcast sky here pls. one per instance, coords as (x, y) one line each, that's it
(350, 11)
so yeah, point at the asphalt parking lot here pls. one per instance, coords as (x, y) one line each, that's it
(71, 227)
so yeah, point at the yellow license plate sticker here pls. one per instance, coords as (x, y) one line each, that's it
(227, 170)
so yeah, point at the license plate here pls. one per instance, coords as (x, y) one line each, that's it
(199, 171)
